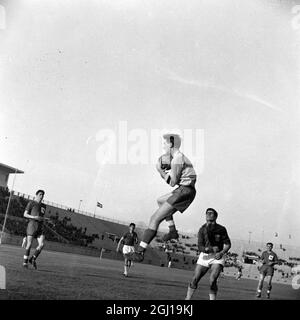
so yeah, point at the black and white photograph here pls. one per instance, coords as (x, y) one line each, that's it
(150, 151)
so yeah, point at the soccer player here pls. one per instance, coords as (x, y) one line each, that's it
(35, 211)
(169, 258)
(213, 243)
(240, 270)
(176, 170)
(269, 259)
(129, 239)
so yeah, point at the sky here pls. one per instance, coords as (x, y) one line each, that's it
(74, 74)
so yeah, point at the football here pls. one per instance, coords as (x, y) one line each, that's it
(165, 162)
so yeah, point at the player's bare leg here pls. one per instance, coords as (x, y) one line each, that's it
(199, 272)
(38, 250)
(260, 285)
(216, 270)
(269, 281)
(173, 234)
(161, 200)
(165, 210)
(126, 265)
(27, 251)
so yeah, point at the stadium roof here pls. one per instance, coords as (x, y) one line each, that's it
(8, 169)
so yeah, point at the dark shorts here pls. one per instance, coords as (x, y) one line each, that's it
(182, 197)
(35, 229)
(266, 270)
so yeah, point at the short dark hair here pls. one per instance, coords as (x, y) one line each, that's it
(42, 191)
(270, 244)
(173, 138)
(132, 224)
(212, 210)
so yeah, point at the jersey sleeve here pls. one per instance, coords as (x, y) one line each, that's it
(225, 237)
(28, 207)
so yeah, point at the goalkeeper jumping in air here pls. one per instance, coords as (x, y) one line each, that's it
(176, 170)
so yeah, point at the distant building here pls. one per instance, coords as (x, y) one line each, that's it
(5, 171)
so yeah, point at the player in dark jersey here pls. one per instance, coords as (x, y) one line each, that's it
(213, 243)
(268, 259)
(239, 266)
(34, 212)
(129, 239)
(176, 170)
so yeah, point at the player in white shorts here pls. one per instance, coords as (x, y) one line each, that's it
(129, 239)
(213, 243)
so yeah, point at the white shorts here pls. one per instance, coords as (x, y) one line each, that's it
(128, 249)
(206, 260)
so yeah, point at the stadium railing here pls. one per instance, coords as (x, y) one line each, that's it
(86, 213)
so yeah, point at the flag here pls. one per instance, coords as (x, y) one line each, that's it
(99, 204)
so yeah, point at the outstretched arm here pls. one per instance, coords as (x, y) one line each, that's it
(119, 243)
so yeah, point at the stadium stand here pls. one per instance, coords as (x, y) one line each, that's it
(70, 229)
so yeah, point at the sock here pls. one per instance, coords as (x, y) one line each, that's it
(36, 254)
(125, 269)
(212, 296)
(148, 236)
(26, 255)
(190, 292)
(171, 224)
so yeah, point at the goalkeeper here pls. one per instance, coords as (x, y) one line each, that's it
(176, 170)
